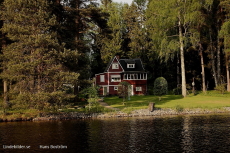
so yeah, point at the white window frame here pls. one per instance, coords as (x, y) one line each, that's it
(135, 76)
(115, 66)
(138, 88)
(102, 78)
(115, 88)
(130, 65)
(115, 78)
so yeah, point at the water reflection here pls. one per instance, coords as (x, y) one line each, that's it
(187, 142)
(127, 135)
(137, 135)
(210, 133)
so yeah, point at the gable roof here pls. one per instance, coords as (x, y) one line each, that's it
(110, 63)
(137, 62)
(123, 63)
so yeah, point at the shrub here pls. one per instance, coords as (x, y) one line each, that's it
(42, 101)
(160, 87)
(92, 102)
(150, 90)
(90, 92)
(221, 88)
(177, 91)
(124, 90)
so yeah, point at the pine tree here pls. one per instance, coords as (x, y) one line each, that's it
(33, 62)
(110, 43)
(80, 22)
(5, 84)
(198, 34)
(106, 2)
(135, 31)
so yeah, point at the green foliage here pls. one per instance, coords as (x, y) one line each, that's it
(92, 104)
(177, 91)
(79, 22)
(68, 88)
(221, 88)
(170, 23)
(42, 101)
(33, 61)
(150, 89)
(90, 92)
(160, 86)
(134, 21)
(124, 90)
(4, 106)
(48, 44)
(110, 43)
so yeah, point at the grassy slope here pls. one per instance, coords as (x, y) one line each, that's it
(211, 100)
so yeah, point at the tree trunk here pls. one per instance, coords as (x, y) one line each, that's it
(39, 84)
(5, 90)
(227, 71)
(5, 83)
(178, 70)
(213, 58)
(183, 84)
(218, 62)
(77, 21)
(5, 96)
(57, 4)
(202, 67)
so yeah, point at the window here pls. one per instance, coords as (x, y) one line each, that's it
(138, 88)
(102, 78)
(115, 88)
(115, 78)
(115, 66)
(130, 65)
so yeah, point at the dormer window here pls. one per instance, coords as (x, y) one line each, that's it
(130, 65)
(115, 66)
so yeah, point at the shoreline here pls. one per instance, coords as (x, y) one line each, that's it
(118, 114)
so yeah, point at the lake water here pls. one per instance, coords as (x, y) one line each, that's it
(189, 134)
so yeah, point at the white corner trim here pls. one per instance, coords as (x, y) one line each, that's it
(113, 62)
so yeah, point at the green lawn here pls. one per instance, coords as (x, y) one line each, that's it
(211, 100)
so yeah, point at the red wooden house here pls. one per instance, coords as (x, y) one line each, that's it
(117, 70)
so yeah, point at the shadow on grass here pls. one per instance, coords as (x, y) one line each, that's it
(140, 102)
(168, 98)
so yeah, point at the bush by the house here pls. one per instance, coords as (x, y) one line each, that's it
(160, 87)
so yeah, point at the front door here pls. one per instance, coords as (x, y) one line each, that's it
(105, 91)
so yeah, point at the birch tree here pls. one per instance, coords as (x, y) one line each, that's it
(169, 22)
(225, 34)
